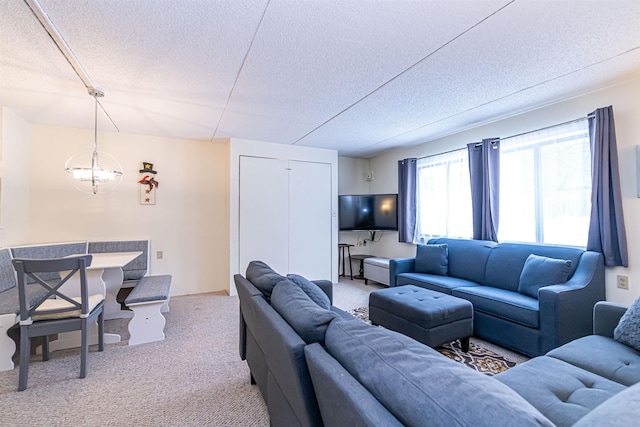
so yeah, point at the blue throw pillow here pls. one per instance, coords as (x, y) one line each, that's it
(263, 277)
(540, 271)
(312, 290)
(305, 316)
(432, 259)
(628, 330)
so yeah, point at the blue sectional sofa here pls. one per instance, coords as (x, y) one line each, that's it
(316, 365)
(510, 308)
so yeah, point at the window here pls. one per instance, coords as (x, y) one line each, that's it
(443, 196)
(545, 186)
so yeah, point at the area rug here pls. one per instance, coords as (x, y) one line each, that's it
(478, 357)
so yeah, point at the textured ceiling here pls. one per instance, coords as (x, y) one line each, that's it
(355, 76)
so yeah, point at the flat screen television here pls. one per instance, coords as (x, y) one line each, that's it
(368, 212)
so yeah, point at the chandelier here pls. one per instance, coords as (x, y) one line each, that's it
(84, 171)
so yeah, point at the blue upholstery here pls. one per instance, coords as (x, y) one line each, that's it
(312, 290)
(432, 259)
(603, 356)
(263, 277)
(307, 318)
(150, 288)
(7, 273)
(418, 385)
(562, 392)
(622, 410)
(488, 274)
(274, 351)
(444, 284)
(467, 258)
(57, 250)
(501, 303)
(542, 271)
(134, 270)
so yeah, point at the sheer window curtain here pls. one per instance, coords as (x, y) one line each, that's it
(607, 232)
(443, 197)
(406, 200)
(484, 171)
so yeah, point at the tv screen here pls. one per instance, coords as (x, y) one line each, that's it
(368, 212)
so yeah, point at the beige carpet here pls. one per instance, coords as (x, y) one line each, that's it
(192, 378)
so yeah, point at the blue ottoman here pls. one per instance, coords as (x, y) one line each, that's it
(427, 316)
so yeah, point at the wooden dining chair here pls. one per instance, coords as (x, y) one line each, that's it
(57, 310)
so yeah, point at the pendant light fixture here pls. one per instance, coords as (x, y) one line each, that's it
(97, 172)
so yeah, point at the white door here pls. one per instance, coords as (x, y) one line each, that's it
(264, 213)
(310, 219)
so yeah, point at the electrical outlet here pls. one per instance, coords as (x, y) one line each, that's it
(159, 255)
(623, 282)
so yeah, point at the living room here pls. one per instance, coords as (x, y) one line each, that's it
(194, 227)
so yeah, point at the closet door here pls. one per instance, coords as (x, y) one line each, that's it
(264, 213)
(310, 219)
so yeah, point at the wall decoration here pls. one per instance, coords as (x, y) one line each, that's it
(148, 185)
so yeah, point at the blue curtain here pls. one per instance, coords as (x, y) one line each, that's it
(484, 172)
(606, 228)
(406, 200)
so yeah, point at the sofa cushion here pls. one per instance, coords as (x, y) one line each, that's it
(309, 320)
(263, 277)
(621, 410)
(502, 303)
(312, 290)
(504, 265)
(539, 271)
(440, 392)
(467, 258)
(432, 259)
(603, 356)
(562, 392)
(628, 329)
(434, 282)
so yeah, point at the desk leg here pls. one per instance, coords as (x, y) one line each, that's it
(7, 346)
(112, 279)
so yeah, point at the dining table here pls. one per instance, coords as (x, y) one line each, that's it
(106, 277)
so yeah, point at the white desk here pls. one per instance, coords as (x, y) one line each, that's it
(105, 277)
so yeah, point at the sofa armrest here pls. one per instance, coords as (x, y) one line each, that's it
(606, 316)
(327, 288)
(566, 311)
(399, 266)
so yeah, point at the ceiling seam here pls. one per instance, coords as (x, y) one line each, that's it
(235, 82)
(495, 100)
(404, 71)
(47, 24)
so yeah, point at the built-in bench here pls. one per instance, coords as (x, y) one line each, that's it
(147, 299)
(9, 302)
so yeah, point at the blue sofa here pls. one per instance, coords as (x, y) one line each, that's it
(488, 274)
(368, 376)
(319, 366)
(274, 350)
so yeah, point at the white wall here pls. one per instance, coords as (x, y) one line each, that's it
(189, 221)
(242, 147)
(15, 135)
(626, 106)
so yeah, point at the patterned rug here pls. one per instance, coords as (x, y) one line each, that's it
(479, 358)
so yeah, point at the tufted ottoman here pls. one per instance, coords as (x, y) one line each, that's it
(431, 317)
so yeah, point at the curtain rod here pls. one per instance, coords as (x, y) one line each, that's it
(589, 116)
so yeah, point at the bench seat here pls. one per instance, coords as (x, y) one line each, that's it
(147, 300)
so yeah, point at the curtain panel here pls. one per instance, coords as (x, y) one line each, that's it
(406, 200)
(484, 171)
(607, 232)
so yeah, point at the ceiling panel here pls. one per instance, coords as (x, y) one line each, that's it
(485, 66)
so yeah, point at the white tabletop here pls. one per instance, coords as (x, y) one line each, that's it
(112, 259)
